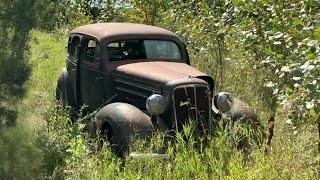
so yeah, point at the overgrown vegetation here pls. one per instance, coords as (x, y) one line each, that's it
(267, 52)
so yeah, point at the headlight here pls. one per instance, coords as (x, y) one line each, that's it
(223, 101)
(156, 104)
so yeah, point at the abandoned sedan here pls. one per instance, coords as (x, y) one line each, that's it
(134, 79)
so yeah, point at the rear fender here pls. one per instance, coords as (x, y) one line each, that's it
(65, 87)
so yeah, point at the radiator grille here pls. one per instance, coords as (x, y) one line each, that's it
(192, 103)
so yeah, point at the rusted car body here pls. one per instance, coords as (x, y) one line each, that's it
(137, 78)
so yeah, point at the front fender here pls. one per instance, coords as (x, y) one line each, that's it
(242, 112)
(245, 116)
(124, 116)
(121, 123)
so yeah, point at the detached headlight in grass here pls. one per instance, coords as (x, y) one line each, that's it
(223, 101)
(156, 104)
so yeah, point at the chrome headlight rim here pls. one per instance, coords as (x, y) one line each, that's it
(156, 104)
(223, 102)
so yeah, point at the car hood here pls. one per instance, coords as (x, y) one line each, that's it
(158, 71)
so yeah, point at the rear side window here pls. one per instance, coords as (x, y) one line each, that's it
(90, 51)
(73, 46)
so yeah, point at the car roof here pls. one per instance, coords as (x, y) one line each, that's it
(113, 31)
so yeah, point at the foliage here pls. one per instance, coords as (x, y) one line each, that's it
(146, 12)
(281, 37)
(17, 18)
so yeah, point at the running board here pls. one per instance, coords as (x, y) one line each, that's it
(136, 156)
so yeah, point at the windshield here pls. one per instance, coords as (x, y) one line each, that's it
(143, 49)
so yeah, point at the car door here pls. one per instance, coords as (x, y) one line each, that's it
(90, 76)
(72, 64)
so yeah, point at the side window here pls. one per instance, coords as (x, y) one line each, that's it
(114, 51)
(90, 51)
(126, 49)
(73, 46)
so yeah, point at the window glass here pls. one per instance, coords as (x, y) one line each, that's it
(156, 49)
(143, 49)
(90, 51)
(69, 44)
(74, 47)
(96, 57)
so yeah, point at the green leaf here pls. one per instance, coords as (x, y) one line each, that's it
(269, 51)
(311, 56)
(314, 113)
(318, 31)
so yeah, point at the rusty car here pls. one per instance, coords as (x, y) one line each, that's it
(135, 79)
